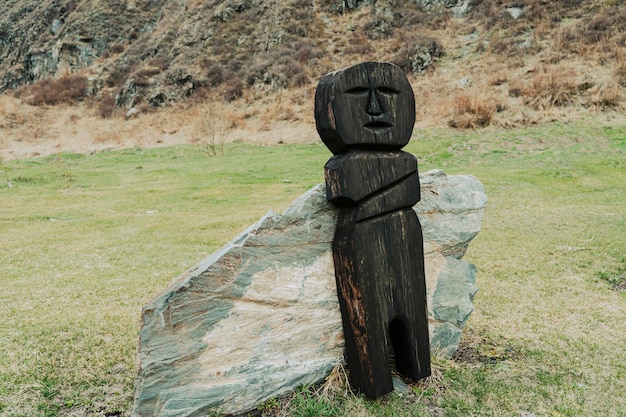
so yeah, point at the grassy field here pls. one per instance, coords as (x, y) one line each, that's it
(86, 240)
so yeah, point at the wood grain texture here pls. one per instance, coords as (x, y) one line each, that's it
(380, 281)
(370, 106)
(365, 114)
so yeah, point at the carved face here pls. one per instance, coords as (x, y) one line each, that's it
(369, 105)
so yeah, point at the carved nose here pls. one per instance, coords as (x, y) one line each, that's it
(373, 106)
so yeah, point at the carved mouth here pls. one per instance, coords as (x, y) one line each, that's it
(378, 126)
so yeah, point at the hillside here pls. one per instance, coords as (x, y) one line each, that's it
(473, 63)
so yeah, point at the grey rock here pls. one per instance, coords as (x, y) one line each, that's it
(260, 317)
(515, 12)
(422, 55)
(458, 8)
(420, 59)
(527, 39)
(133, 111)
(451, 211)
(343, 5)
(438, 3)
(399, 386)
(465, 82)
(56, 26)
(461, 9)
(353, 4)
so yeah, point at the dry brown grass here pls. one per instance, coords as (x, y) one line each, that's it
(550, 86)
(608, 97)
(105, 104)
(11, 113)
(267, 97)
(473, 110)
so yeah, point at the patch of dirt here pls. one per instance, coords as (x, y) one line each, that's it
(475, 349)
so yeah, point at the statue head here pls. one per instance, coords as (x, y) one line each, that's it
(369, 106)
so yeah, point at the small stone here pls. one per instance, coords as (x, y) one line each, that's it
(399, 385)
(515, 12)
(133, 111)
(465, 82)
(56, 26)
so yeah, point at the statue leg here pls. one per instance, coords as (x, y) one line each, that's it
(364, 322)
(409, 327)
(382, 293)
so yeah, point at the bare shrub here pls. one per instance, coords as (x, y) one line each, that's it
(507, 46)
(279, 71)
(159, 62)
(209, 129)
(598, 28)
(549, 87)
(299, 80)
(43, 92)
(603, 29)
(472, 111)
(255, 72)
(306, 50)
(106, 106)
(233, 90)
(620, 70)
(120, 72)
(69, 88)
(289, 67)
(144, 76)
(74, 87)
(565, 39)
(117, 48)
(498, 77)
(217, 75)
(359, 49)
(608, 97)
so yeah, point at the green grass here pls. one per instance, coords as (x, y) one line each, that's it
(86, 240)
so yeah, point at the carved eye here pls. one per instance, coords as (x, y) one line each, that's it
(387, 90)
(358, 91)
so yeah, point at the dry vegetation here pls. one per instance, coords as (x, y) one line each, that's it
(68, 89)
(556, 61)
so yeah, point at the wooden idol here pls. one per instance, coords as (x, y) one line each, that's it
(365, 114)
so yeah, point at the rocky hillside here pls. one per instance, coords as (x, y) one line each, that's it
(153, 52)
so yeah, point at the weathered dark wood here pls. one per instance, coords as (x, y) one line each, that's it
(352, 108)
(378, 265)
(355, 175)
(365, 114)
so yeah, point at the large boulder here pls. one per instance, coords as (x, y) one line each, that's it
(260, 317)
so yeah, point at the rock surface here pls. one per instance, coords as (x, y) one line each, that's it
(260, 317)
(159, 51)
(459, 7)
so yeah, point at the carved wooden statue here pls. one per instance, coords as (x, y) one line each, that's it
(365, 115)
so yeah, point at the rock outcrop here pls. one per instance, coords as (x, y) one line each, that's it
(260, 317)
(459, 7)
(161, 51)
